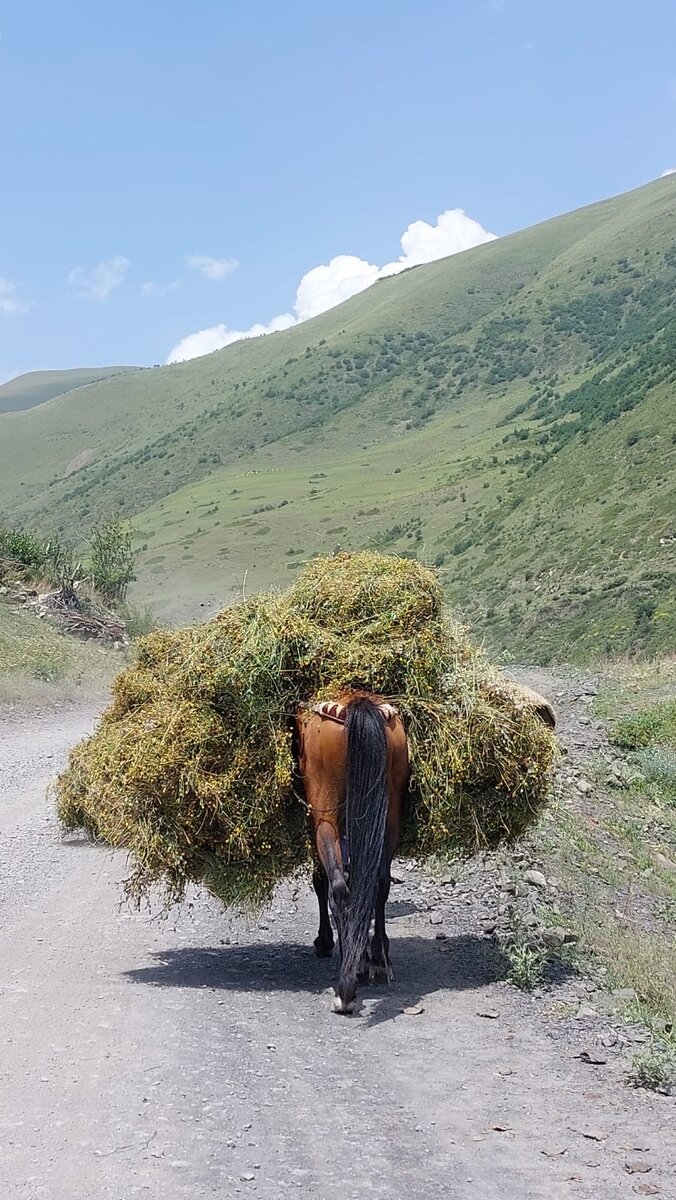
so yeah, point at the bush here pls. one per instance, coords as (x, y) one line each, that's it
(139, 621)
(652, 727)
(654, 1068)
(658, 765)
(112, 558)
(22, 546)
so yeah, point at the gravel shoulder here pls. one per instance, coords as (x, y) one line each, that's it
(197, 1055)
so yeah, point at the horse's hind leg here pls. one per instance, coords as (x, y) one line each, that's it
(324, 940)
(328, 849)
(379, 966)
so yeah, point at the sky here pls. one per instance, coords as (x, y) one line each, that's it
(176, 174)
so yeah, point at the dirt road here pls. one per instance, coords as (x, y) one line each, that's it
(198, 1056)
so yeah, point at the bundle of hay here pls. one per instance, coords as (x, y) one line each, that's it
(192, 769)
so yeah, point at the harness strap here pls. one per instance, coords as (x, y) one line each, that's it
(331, 710)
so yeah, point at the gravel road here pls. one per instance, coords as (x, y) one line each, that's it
(197, 1055)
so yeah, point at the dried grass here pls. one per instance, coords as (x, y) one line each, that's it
(192, 769)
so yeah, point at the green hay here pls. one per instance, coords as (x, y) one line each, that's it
(191, 768)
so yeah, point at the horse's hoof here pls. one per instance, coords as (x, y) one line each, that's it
(381, 973)
(343, 1007)
(323, 949)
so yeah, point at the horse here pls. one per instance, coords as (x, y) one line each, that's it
(353, 761)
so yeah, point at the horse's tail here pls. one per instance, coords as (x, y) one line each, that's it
(365, 817)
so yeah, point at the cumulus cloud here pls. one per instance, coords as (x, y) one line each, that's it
(423, 243)
(218, 336)
(345, 275)
(152, 288)
(96, 283)
(324, 287)
(10, 304)
(212, 268)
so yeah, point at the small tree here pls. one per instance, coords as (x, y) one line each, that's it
(112, 558)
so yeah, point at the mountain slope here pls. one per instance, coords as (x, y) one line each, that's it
(35, 387)
(506, 413)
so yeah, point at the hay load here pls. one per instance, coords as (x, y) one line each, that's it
(191, 768)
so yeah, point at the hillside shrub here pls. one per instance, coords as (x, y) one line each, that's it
(112, 558)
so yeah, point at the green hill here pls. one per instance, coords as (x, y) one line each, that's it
(35, 387)
(506, 413)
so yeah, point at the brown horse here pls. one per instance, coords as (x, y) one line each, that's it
(353, 758)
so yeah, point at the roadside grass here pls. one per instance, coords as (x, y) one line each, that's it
(37, 662)
(613, 849)
(654, 1067)
(526, 963)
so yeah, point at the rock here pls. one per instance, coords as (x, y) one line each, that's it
(536, 878)
(592, 1057)
(584, 786)
(529, 920)
(554, 937)
(436, 918)
(627, 993)
(662, 861)
(638, 1166)
(585, 1011)
(593, 1134)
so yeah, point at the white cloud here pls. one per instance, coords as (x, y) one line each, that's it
(98, 282)
(324, 287)
(10, 304)
(669, 171)
(152, 288)
(212, 268)
(218, 336)
(453, 232)
(345, 275)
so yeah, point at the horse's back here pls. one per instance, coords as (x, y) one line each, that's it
(323, 744)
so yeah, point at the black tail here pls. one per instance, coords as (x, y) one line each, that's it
(365, 817)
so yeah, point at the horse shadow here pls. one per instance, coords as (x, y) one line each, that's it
(422, 966)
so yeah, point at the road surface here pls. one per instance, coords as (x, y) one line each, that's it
(198, 1056)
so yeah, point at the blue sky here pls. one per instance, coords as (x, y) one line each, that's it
(171, 168)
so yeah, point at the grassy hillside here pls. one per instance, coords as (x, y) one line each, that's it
(37, 386)
(506, 414)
